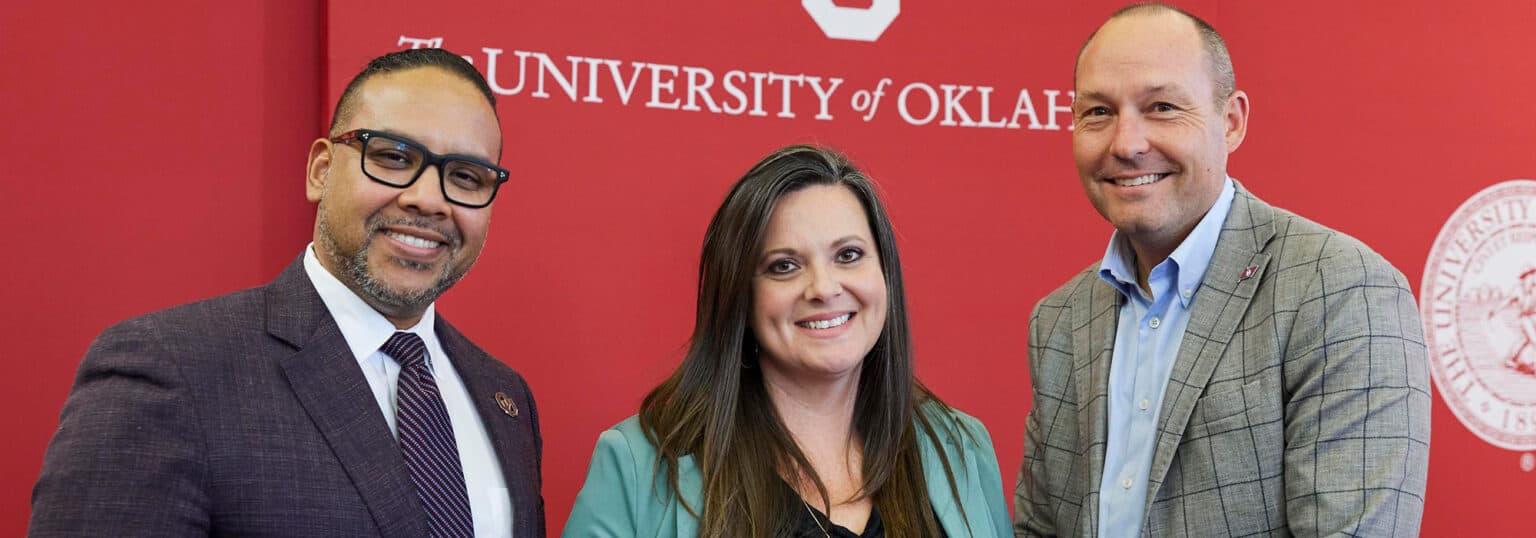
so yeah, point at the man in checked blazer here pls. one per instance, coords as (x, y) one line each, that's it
(272, 411)
(1229, 368)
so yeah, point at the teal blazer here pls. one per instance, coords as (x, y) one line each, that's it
(624, 497)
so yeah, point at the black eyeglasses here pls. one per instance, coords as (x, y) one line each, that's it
(398, 162)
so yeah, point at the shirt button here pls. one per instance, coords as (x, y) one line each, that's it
(1154, 323)
(1188, 293)
(1125, 483)
(1145, 404)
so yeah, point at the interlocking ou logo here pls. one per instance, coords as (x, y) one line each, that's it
(1478, 302)
(852, 23)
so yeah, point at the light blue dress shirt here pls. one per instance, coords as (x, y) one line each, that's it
(1146, 344)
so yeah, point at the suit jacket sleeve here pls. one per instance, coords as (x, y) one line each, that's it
(127, 457)
(1031, 512)
(607, 505)
(1357, 420)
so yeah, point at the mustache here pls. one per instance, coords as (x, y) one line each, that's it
(379, 222)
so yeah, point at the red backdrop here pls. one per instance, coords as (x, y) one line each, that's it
(156, 156)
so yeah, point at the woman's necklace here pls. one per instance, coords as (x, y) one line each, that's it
(815, 519)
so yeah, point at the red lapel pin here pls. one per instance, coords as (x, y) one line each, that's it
(507, 406)
(1248, 273)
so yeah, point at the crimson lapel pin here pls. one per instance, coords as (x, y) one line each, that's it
(1248, 273)
(507, 406)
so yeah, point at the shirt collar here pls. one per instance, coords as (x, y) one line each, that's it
(1188, 261)
(364, 328)
(1117, 268)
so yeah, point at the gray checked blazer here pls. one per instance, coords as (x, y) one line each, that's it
(248, 415)
(1298, 403)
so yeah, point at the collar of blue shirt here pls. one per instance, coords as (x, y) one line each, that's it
(1185, 266)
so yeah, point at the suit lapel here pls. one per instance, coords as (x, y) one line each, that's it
(939, 495)
(967, 471)
(1237, 266)
(508, 428)
(1095, 314)
(690, 489)
(330, 385)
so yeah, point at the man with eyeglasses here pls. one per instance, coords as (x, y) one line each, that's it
(333, 401)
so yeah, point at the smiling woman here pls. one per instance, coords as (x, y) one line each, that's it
(819, 294)
(796, 411)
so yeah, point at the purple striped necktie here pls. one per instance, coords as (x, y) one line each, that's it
(427, 442)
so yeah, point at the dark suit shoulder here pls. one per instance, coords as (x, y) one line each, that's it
(455, 342)
(205, 330)
(198, 319)
(131, 454)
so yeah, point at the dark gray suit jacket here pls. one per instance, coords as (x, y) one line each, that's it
(248, 415)
(1298, 403)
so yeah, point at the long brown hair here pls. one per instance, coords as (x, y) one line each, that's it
(716, 410)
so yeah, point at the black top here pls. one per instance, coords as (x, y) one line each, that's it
(806, 525)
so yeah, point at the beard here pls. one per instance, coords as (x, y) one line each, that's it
(354, 271)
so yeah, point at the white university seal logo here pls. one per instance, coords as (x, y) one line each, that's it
(1478, 302)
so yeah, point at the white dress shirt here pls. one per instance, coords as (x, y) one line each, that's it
(365, 330)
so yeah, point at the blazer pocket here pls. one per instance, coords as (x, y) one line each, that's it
(1230, 410)
(1233, 448)
(1217, 413)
